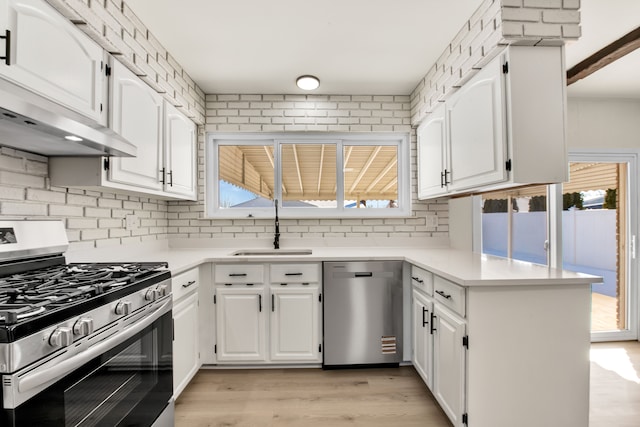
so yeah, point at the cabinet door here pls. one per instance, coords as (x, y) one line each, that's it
(186, 357)
(53, 58)
(180, 146)
(241, 325)
(295, 324)
(431, 154)
(477, 142)
(136, 114)
(423, 337)
(449, 363)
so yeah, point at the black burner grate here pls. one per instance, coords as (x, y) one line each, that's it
(30, 293)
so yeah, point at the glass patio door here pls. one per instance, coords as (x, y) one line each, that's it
(598, 233)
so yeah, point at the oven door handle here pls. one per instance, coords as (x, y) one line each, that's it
(40, 377)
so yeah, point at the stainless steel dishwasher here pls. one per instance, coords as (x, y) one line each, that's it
(362, 313)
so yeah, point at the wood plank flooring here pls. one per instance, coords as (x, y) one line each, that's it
(308, 397)
(377, 397)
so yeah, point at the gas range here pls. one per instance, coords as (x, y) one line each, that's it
(69, 329)
(34, 299)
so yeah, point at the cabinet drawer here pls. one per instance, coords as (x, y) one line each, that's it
(422, 279)
(295, 273)
(449, 294)
(185, 283)
(239, 274)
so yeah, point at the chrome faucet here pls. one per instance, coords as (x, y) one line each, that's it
(276, 240)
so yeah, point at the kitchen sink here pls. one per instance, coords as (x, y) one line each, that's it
(270, 252)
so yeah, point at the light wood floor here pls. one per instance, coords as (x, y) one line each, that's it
(308, 397)
(603, 312)
(372, 397)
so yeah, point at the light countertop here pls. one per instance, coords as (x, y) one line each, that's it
(462, 267)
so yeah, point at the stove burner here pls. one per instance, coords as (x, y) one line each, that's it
(30, 293)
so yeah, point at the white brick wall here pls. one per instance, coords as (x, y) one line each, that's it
(92, 219)
(113, 25)
(495, 24)
(318, 113)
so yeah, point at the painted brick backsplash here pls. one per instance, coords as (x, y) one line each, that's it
(494, 25)
(93, 219)
(113, 25)
(317, 113)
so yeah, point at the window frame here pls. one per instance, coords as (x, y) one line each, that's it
(397, 139)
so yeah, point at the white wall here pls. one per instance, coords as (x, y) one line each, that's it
(603, 123)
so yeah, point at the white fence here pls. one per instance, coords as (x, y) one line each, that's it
(588, 240)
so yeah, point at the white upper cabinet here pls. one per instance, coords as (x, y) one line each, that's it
(476, 138)
(505, 127)
(136, 114)
(48, 55)
(165, 165)
(181, 153)
(432, 154)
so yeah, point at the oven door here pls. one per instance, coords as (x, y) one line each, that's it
(128, 384)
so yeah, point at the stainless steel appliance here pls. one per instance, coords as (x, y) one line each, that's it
(81, 344)
(362, 313)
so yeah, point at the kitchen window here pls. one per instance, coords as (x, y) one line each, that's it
(310, 175)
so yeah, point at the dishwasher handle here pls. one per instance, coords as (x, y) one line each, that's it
(367, 274)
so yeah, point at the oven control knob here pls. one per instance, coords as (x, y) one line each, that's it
(83, 326)
(163, 290)
(123, 308)
(150, 295)
(61, 337)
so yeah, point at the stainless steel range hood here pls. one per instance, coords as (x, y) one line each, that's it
(37, 125)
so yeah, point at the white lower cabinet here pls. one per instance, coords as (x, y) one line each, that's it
(497, 357)
(295, 323)
(241, 324)
(186, 344)
(260, 318)
(423, 336)
(449, 363)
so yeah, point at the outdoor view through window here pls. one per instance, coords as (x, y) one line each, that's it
(310, 175)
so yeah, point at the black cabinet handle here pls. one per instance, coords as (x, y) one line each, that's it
(273, 303)
(170, 178)
(363, 274)
(7, 47)
(441, 179)
(293, 274)
(260, 303)
(446, 177)
(443, 295)
(189, 283)
(163, 172)
(237, 274)
(424, 311)
(433, 318)
(417, 279)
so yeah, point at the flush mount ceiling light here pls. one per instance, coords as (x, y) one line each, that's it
(308, 82)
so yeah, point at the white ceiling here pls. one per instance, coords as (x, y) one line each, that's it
(373, 47)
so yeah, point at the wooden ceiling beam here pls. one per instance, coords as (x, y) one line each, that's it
(321, 166)
(605, 56)
(295, 157)
(381, 175)
(365, 168)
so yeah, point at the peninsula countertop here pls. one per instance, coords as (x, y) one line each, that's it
(465, 268)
